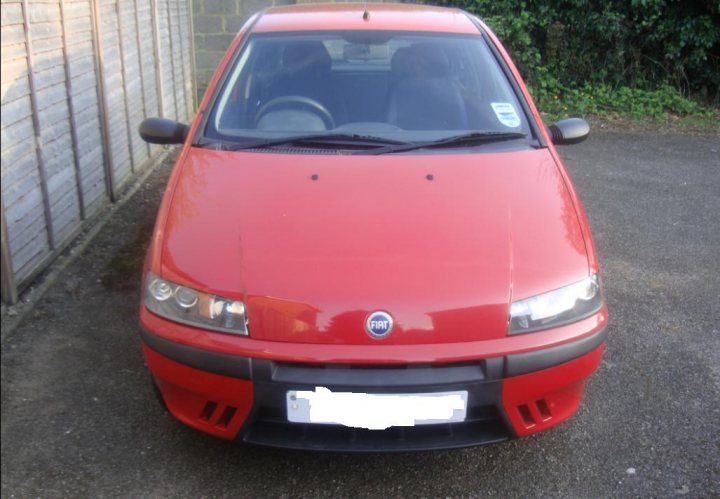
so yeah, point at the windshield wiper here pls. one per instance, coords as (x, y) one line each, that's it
(323, 139)
(473, 138)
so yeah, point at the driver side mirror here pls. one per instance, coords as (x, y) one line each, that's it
(569, 131)
(163, 131)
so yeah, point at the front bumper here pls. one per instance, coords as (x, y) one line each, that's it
(239, 397)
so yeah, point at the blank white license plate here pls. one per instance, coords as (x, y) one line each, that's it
(375, 411)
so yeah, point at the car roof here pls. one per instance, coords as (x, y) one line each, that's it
(349, 16)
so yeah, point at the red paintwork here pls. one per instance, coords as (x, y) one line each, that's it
(560, 388)
(312, 258)
(590, 250)
(186, 391)
(377, 353)
(442, 256)
(401, 17)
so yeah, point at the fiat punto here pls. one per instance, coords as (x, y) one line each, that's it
(369, 242)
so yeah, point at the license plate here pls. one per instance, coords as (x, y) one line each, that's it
(375, 411)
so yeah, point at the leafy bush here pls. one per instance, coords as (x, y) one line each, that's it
(625, 101)
(639, 55)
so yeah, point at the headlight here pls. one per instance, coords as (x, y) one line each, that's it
(558, 307)
(189, 306)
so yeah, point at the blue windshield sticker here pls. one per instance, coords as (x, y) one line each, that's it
(506, 114)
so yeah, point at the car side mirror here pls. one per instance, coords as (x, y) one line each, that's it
(569, 131)
(163, 131)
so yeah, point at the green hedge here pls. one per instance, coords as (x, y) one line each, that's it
(667, 49)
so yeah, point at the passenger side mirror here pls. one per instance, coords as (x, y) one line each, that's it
(163, 131)
(569, 131)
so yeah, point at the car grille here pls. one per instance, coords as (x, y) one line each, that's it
(483, 426)
(268, 425)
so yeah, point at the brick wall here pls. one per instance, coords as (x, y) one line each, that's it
(216, 22)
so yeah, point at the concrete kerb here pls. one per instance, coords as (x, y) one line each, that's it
(13, 315)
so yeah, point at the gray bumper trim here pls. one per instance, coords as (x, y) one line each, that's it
(204, 360)
(523, 363)
(241, 367)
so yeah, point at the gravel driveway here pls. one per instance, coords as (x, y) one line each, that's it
(79, 418)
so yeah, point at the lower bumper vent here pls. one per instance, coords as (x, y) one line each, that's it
(210, 412)
(534, 412)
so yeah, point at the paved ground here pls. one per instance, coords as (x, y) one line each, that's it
(79, 417)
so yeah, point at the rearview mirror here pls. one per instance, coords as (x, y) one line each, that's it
(163, 131)
(569, 131)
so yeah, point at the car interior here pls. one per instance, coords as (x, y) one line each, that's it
(312, 85)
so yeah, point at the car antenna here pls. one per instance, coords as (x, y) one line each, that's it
(366, 13)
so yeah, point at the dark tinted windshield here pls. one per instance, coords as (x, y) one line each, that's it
(395, 85)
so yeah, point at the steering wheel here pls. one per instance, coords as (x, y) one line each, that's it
(297, 101)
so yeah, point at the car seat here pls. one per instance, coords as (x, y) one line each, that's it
(423, 94)
(306, 72)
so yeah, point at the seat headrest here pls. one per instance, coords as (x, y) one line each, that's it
(403, 63)
(422, 60)
(305, 56)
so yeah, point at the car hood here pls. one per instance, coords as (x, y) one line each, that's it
(315, 243)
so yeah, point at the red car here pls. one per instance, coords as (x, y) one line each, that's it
(369, 241)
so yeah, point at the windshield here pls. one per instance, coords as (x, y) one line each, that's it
(379, 85)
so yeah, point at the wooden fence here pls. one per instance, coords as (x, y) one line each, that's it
(78, 76)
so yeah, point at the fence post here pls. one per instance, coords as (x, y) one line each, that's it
(172, 59)
(71, 112)
(182, 63)
(102, 101)
(158, 66)
(36, 128)
(191, 35)
(123, 72)
(8, 288)
(140, 67)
